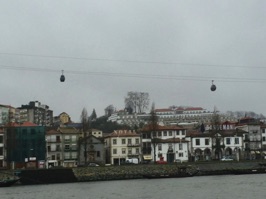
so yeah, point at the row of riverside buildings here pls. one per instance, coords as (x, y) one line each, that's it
(32, 145)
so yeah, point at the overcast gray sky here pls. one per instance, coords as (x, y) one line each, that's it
(185, 44)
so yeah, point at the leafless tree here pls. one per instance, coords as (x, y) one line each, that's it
(153, 125)
(109, 110)
(138, 101)
(85, 128)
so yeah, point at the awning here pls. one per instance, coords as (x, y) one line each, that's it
(147, 157)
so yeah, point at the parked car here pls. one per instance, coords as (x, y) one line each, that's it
(93, 165)
(227, 159)
(177, 161)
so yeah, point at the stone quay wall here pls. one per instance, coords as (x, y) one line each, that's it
(123, 172)
(84, 174)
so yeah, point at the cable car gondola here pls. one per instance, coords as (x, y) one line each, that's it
(213, 87)
(62, 78)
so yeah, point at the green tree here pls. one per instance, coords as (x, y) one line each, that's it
(93, 116)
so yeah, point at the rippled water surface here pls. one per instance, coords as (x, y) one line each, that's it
(207, 187)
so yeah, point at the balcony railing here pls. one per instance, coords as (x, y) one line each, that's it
(54, 141)
(133, 145)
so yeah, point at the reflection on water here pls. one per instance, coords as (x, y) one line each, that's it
(206, 187)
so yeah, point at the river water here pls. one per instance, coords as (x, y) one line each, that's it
(202, 187)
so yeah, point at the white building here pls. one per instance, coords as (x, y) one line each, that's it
(121, 145)
(167, 142)
(215, 145)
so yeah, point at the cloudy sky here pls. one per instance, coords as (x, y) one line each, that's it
(171, 49)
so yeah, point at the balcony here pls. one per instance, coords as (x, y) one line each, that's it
(134, 154)
(133, 145)
(54, 141)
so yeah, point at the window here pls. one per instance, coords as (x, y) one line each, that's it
(74, 155)
(154, 134)
(123, 151)
(180, 155)
(183, 132)
(129, 151)
(159, 147)
(129, 141)
(170, 133)
(58, 138)
(1, 139)
(137, 140)
(58, 148)
(123, 141)
(177, 133)
(73, 138)
(67, 147)
(114, 151)
(114, 141)
(159, 134)
(197, 142)
(263, 138)
(228, 141)
(98, 154)
(207, 142)
(67, 155)
(32, 131)
(53, 147)
(165, 133)
(67, 138)
(1, 150)
(137, 150)
(236, 140)
(74, 147)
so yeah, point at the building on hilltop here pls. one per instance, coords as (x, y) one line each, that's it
(37, 113)
(62, 119)
(191, 116)
(8, 114)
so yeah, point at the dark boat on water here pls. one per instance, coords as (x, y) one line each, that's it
(8, 182)
(182, 172)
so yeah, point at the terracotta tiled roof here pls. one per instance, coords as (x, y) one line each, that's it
(52, 132)
(163, 110)
(229, 122)
(193, 109)
(68, 130)
(162, 128)
(123, 133)
(24, 124)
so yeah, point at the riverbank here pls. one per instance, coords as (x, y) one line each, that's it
(123, 172)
